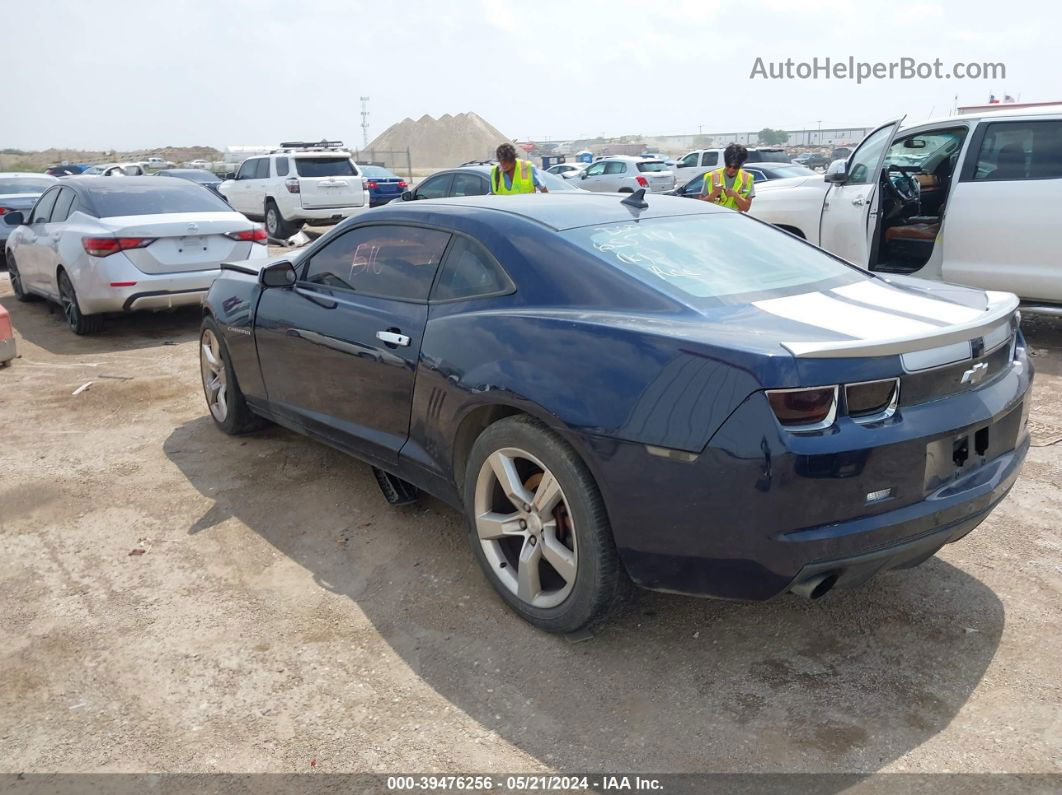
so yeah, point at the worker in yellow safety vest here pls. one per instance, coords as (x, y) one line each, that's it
(514, 176)
(730, 186)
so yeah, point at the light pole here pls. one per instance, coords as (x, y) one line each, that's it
(364, 122)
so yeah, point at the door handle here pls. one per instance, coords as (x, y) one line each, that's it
(858, 202)
(391, 338)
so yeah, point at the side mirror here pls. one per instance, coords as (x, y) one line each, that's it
(278, 274)
(14, 219)
(407, 196)
(584, 175)
(230, 175)
(837, 173)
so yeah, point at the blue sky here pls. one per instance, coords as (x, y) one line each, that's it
(123, 74)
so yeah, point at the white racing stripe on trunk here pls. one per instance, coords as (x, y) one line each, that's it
(819, 309)
(871, 292)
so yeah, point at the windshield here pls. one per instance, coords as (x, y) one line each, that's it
(768, 156)
(197, 175)
(717, 255)
(653, 165)
(181, 197)
(377, 172)
(25, 185)
(324, 166)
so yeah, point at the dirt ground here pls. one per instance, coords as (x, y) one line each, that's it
(177, 600)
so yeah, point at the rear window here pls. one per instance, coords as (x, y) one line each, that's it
(181, 197)
(789, 171)
(717, 256)
(25, 185)
(324, 167)
(655, 165)
(377, 172)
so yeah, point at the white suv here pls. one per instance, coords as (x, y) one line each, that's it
(972, 200)
(298, 183)
(701, 161)
(625, 174)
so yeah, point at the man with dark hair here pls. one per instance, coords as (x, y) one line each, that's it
(730, 186)
(512, 175)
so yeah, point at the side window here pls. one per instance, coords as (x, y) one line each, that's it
(689, 161)
(469, 271)
(282, 166)
(261, 170)
(63, 205)
(434, 188)
(247, 169)
(864, 163)
(383, 261)
(710, 159)
(595, 170)
(43, 208)
(615, 167)
(1021, 150)
(468, 185)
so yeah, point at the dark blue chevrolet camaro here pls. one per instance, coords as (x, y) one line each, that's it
(662, 390)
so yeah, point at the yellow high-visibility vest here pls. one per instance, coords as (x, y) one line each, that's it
(523, 179)
(717, 178)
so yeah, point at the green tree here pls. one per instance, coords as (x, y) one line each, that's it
(771, 137)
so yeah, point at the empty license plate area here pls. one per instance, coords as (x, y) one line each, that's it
(956, 456)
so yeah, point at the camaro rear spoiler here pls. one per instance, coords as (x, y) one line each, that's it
(1000, 307)
(232, 266)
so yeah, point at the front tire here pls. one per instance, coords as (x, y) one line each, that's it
(225, 400)
(538, 527)
(276, 227)
(79, 323)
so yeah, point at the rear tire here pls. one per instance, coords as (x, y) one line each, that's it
(225, 400)
(539, 530)
(16, 280)
(276, 227)
(79, 323)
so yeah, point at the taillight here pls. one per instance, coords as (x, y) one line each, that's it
(804, 409)
(642, 181)
(4, 210)
(256, 235)
(292, 185)
(364, 184)
(403, 184)
(105, 246)
(373, 184)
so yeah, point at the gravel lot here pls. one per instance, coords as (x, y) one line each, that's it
(178, 600)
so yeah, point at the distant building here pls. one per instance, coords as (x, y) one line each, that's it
(968, 110)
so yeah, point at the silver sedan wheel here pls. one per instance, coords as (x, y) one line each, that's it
(526, 528)
(212, 366)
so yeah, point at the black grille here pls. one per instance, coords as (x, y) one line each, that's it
(944, 381)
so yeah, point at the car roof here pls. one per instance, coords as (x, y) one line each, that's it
(566, 210)
(112, 184)
(20, 174)
(991, 115)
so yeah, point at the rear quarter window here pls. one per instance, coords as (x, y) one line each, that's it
(325, 167)
(655, 166)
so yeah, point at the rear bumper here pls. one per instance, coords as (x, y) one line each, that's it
(325, 215)
(144, 291)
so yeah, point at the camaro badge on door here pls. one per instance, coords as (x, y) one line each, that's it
(975, 374)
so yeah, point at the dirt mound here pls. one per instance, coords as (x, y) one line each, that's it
(439, 143)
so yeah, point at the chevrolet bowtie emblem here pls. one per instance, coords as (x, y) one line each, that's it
(193, 227)
(975, 374)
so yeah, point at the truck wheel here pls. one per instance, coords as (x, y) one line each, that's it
(276, 227)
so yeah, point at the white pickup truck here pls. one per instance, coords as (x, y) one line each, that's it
(973, 200)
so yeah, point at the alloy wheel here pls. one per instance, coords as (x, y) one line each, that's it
(525, 527)
(272, 222)
(68, 301)
(212, 366)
